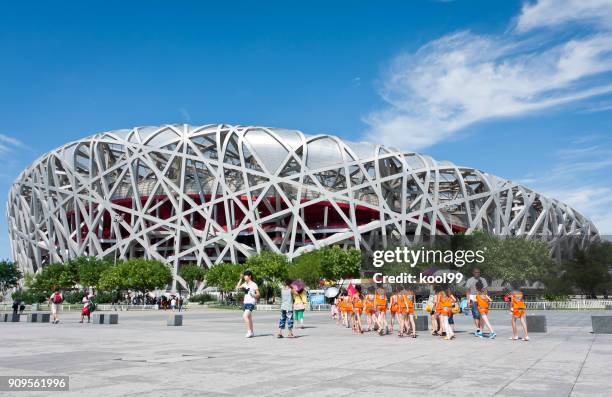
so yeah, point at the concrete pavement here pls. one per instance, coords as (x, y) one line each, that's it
(209, 355)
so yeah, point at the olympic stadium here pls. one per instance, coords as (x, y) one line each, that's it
(215, 193)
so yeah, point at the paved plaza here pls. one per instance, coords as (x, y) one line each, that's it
(209, 355)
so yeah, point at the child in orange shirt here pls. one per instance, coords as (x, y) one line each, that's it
(357, 301)
(446, 304)
(381, 308)
(370, 309)
(436, 324)
(483, 300)
(451, 295)
(394, 308)
(402, 310)
(517, 308)
(410, 300)
(344, 308)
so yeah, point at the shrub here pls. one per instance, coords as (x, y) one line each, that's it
(203, 298)
(29, 296)
(108, 297)
(74, 297)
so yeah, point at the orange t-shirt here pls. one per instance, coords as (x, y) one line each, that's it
(439, 298)
(446, 303)
(408, 304)
(369, 303)
(483, 303)
(357, 304)
(381, 302)
(518, 304)
(394, 303)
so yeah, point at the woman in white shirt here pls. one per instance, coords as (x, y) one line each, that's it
(251, 295)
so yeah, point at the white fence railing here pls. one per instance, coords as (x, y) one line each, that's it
(574, 304)
(78, 306)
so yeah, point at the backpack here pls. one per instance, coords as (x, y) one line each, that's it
(92, 306)
(57, 298)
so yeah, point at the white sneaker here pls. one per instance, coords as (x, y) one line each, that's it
(249, 335)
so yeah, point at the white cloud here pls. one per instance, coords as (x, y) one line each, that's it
(594, 201)
(549, 13)
(464, 78)
(580, 178)
(12, 141)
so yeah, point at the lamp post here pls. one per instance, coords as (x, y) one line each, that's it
(117, 219)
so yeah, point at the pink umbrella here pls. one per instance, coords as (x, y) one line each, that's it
(298, 285)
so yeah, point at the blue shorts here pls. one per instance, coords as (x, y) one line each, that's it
(475, 312)
(248, 307)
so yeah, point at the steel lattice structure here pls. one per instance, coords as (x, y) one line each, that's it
(216, 193)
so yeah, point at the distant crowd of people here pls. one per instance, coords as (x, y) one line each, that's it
(399, 307)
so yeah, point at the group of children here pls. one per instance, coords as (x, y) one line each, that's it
(374, 303)
(349, 308)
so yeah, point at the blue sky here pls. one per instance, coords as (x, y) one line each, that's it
(519, 89)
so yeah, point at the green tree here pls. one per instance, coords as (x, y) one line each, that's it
(55, 276)
(224, 276)
(512, 259)
(144, 275)
(270, 269)
(588, 271)
(337, 263)
(29, 296)
(307, 267)
(111, 279)
(9, 276)
(89, 269)
(192, 274)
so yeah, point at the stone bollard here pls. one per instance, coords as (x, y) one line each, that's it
(175, 320)
(422, 323)
(9, 318)
(111, 318)
(535, 323)
(39, 317)
(602, 324)
(44, 317)
(98, 318)
(5, 317)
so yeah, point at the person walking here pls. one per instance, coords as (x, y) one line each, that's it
(300, 300)
(173, 303)
(55, 300)
(15, 306)
(251, 295)
(470, 294)
(179, 303)
(286, 315)
(86, 311)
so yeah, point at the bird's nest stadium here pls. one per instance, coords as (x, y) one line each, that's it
(214, 193)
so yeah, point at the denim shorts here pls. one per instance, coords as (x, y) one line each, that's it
(475, 312)
(248, 306)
